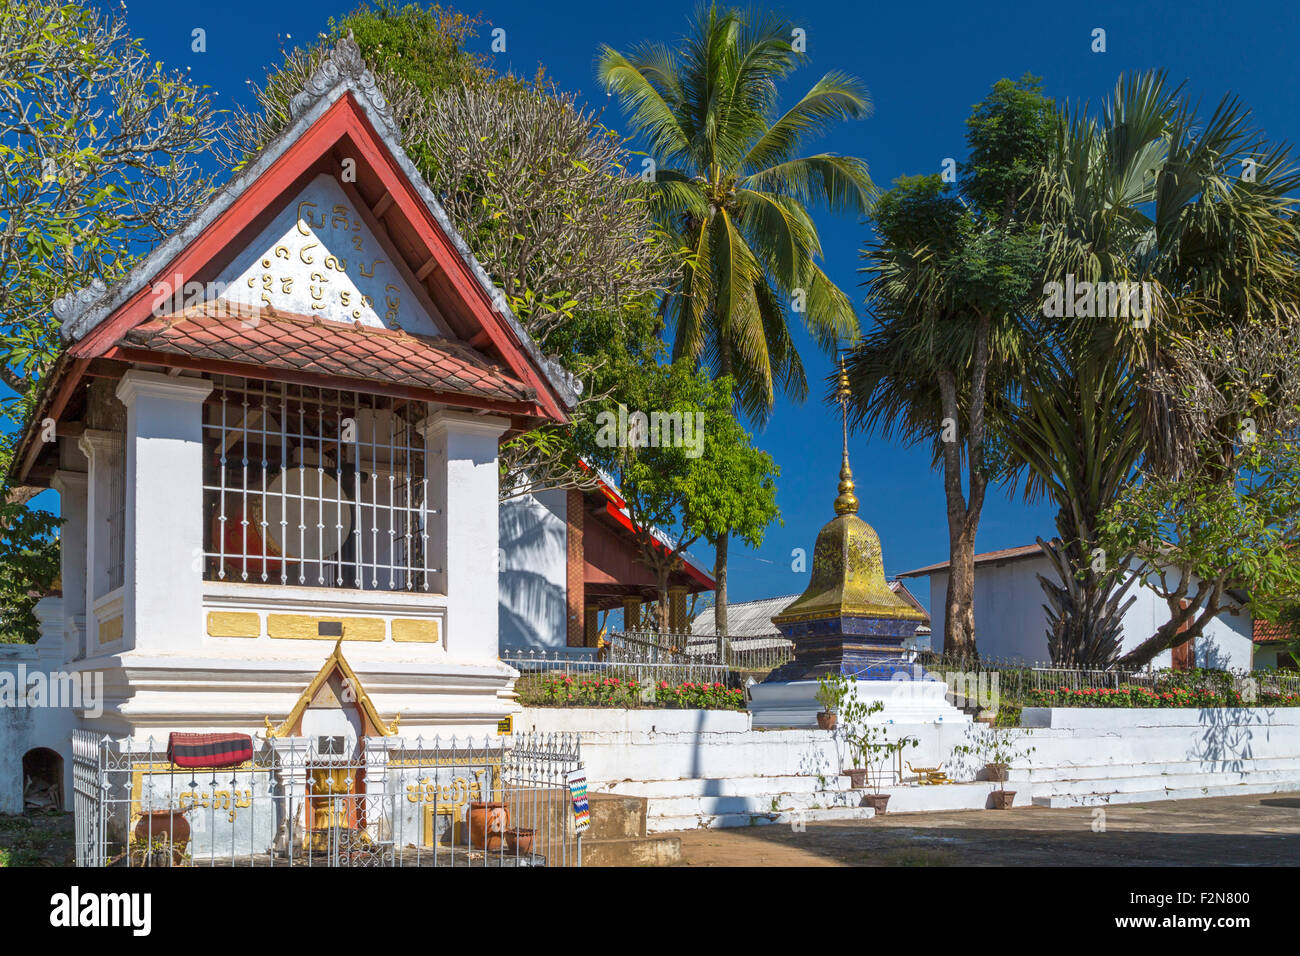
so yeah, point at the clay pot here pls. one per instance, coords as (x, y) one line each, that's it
(877, 802)
(156, 826)
(997, 772)
(487, 822)
(857, 779)
(520, 840)
(1002, 799)
(825, 720)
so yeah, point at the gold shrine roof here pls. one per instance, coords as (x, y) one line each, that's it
(848, 578)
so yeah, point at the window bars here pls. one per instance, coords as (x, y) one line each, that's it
(315, 487)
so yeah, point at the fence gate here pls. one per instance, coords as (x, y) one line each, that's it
(88, 798)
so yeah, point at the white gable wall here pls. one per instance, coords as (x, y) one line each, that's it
(534, 571)
(319, 257)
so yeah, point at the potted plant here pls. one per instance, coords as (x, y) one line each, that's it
(873, 751)
(160, 838)
(831, 691)
(488, 821)
(998, 747)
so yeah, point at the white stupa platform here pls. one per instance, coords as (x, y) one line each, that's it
(794, 703)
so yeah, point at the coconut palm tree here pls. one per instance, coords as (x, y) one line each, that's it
(732, 190)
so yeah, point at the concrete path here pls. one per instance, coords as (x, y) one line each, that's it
(1219, 831)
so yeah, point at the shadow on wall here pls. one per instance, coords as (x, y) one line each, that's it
(532, 577)
(1226, 741)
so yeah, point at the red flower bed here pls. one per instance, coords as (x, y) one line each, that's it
(565, 690)
(1128, 696)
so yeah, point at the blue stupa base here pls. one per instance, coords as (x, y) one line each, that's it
(864, 647)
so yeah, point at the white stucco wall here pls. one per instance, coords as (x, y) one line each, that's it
(29, 723)
(533, 580)
(1010, 621)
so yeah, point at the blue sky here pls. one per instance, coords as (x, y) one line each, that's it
(925, 65)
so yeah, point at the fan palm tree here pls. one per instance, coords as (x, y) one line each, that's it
(732, 191)
(1198, 208)
(1077, 435)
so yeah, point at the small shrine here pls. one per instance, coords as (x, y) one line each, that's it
(849, 621)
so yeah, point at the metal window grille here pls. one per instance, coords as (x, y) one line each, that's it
(315, 487)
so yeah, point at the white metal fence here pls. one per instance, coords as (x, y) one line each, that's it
(310, 802)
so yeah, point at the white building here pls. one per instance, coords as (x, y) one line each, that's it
(277, 437)
(1011, 620)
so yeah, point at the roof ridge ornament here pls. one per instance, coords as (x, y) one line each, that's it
(342, 64)
(67, 308)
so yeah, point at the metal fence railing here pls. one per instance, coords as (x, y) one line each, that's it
(1016, 678)
(675, 670)
(316, 801)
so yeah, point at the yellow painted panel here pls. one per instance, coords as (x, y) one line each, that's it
(110, 630)
(415, 631)
(305, 627)
(234, 624)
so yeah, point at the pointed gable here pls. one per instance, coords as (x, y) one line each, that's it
(329, 221)
(334, 684)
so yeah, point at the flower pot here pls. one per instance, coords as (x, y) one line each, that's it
(488, 821)
(520, 840)
(877, 801)
(997, 772)
(857, 779)
(826, 720)
(159, 830)
(1002, 799)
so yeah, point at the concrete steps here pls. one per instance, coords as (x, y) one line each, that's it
(618, 837)
(754, 801)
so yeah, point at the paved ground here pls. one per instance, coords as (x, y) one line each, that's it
(1222, 831)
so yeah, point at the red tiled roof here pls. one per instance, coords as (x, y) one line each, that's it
(1264, 632)
(233, 332)
(1006, 554)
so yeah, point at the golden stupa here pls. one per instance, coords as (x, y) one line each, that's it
(848, 573)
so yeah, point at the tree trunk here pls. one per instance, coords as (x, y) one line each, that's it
(661, 608)
(720, 594)
(1186, 623)
(959, 606)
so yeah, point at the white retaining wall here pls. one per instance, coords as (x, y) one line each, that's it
(709, 768)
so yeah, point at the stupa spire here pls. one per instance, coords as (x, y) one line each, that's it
(847, 502)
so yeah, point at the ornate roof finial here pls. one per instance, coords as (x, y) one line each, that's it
(847, 502)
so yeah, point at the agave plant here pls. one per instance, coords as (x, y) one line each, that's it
(1077, 432)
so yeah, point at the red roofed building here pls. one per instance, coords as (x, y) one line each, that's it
(275, 443)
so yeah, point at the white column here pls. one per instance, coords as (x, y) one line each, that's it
(102, 450)
(462, 465)
(72, 487)
(164, 510)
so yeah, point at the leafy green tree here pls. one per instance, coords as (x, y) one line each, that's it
(713, 483)
(101, 156)
(733, 192)
(952, 278)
